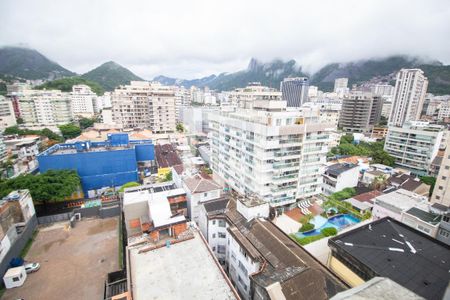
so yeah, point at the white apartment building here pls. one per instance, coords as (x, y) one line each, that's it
(83, 101)
(386, 109)
(409, 95)
(46, 107)
(245, 97)
(145, 105)
(7, 116)
(340, 176)
(444, 111)
(269, 151)
(395, 203)
(384, 90)
(414, 145)
(182, 99)
(441, 192)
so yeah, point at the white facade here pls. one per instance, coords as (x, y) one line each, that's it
(245, 97)
(7, 116)
(338, 177)
(83, 100)
(46, 107)
(145, 105)
(395, 203)
(414, 145)
(15, 277)
(268, 151)
(409, 95)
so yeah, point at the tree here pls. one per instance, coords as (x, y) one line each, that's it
(431, 181)
(127, 185)
(86, 122)
(347, 139)
(379, 183)
(180, 127)
(382, 157)
(69, 131)
(168, 177)
(51, 186)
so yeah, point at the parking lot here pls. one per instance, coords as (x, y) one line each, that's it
(74, 261)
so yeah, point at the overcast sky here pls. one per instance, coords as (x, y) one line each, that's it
(189, 39)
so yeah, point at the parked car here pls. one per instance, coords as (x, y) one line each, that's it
(32, 267)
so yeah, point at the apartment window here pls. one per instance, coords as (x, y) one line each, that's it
(205, 194)
(213, 235)
(222, 235)
(441, 187)
(444, 177)
(221, 223)
(279, 124)
(447, 167)
(214, 222)
(221, 249)
(438, 197)
(444, 233)
(423, 229)
(214, 249)
(243, 269)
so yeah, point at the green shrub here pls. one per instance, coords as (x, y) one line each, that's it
(309, 239)
(307, 227)
(329, 231)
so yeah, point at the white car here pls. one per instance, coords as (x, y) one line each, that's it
(32, 267)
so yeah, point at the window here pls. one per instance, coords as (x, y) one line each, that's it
(214, 249)
(243, 269)
(221, 223)
(444, 233)
(423, 229)
(221, 249)
(214, 222)
(222, 235)
(447, 167)
(437, 197)
(242, 283)
(444, 177)
(15, 279)
(213, 235)
(441, 187)
(205, 194)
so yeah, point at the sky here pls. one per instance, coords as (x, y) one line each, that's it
(192, 38)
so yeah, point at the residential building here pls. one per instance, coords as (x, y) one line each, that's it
(370, 175)
(410, 183)
(169, 269)
(390, 249)
(422, 218)
(199, 189)
(395, 203)
(379, 133)
(154, 209)
(3, 152)
(361, 111)
(295, 91)
(7, 116)
(264, 263)
(269, 151)
(182, 100)
(340, 176)
(444, 228)
(144, 104)
(382, 89)
(340, 85)
(364, 202)
(166, 157)
(17, 223)
(441, 192)
(245, 97)
(23, 151)
(212, 223)
(45, 107)
(195, 119)
(386, 109)
(409, 95)
(414, 145)
(100, 165)
(83, 100)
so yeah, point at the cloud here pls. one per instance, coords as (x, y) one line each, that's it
(193, 38)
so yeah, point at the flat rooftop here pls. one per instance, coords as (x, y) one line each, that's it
(388, 248)
(166, 156)
(401, 199)
(185, 270)
(340, 168)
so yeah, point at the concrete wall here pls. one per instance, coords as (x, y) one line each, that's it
(87, 212)
(19, 244)
(55, 218)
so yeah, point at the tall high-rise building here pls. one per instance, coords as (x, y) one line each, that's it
(409, 95)
(146, 105)
(254, 91)
(360, 111)
(274, 153)
(83, 101)
(295, 91)
(340, 86)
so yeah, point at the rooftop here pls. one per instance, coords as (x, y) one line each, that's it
(287, 268)
(425, 216)
(339, 168)
(377, 288)
(173, 272)
(200, 184)
(368, 196)
(166, 156)
(401, 199)
(394, 250)
(216, 206)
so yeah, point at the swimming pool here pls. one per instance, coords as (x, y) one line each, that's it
(339, 222)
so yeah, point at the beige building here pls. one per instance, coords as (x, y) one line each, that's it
(7, 117)
(409, 95)
(82, 99)
(360, 112)
(46, 107)
(245, 97)
(441, 192)
(145, 105)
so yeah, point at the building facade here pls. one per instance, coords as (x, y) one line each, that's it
(414, 146)
(7, 116)
(295, 91)
(441, 192)
(144, 104)
(361, 111)
(269, 151)
(409, 95)
(83, 101)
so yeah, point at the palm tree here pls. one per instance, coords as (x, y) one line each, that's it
(379, 182)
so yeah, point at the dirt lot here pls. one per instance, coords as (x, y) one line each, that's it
(74, 262)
